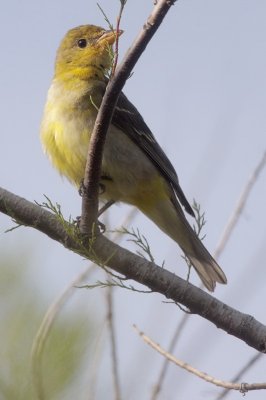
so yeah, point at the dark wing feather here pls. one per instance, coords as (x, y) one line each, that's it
(127, 118)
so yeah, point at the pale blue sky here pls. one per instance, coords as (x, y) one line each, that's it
(201, 87)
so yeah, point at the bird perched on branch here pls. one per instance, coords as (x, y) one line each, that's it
(135, 170)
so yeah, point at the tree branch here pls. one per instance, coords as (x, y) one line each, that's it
(241, 387)
(42, 335)
(239, 206)
(104, 252)
(227, 232)
(93, 167)
(239, 375)
(113, 342)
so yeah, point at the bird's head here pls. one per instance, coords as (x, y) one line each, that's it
(84, 47)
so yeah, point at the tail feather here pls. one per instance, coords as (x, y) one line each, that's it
(171, 219)
(204, 264)
(208, 271)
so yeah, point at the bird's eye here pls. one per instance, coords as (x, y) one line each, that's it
(82, 43)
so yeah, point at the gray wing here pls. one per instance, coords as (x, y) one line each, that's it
(127, 118)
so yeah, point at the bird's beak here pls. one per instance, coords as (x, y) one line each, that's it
(109, 37)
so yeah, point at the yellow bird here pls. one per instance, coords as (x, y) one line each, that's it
(135, 170)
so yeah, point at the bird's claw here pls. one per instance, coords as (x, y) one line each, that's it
(101, 226)
(82, 188)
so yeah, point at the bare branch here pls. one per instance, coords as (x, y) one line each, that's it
(239, 207)
(239, 375)
(114, 87)
(228, 230)
(159, 382)
(242, 326)
(122, 5)
(45, 327)
(241, 387)
(110, 322)
(96, 358)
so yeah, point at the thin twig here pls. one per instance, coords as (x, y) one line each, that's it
(96, 359)
(116, 236)
(118, 20)
(239, 375)
(239, 207)
(93, 374)
(228, 230)
(241, 387)
(45, 327)
(110, 317)
(111, 330)
(104, 116)
(158, 385)
(110, 322)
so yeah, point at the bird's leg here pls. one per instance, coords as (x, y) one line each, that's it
(82, 188)
(104, 177)
(101, 211)
(105, 207)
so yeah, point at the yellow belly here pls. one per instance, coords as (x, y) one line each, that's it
(65, 134)
(67, 150)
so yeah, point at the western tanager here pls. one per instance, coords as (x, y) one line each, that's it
(135, 170)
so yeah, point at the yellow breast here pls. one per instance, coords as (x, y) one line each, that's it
(66, 128)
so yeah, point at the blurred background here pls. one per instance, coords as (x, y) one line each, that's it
(201, 88)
